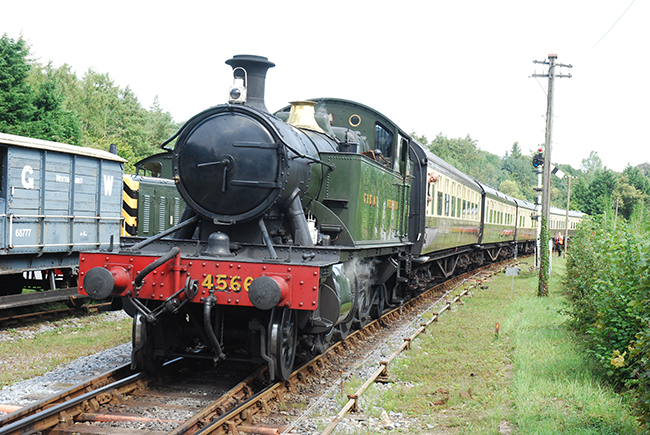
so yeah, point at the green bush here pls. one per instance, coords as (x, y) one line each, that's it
(640, 350)
(607, 285)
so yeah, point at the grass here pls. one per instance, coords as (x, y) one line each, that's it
(460, 377)
(26, 352)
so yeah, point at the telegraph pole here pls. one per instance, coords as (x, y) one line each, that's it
(546, 189)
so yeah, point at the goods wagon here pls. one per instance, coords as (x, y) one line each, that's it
(55, 200)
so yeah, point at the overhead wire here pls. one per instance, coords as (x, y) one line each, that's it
(619, 19)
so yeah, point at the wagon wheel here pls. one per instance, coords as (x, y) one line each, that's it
(75, 302)
(283, 334)
(11, 284)
(143, 356)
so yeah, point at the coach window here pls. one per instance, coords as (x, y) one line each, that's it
(431, 196)
(439, 203)
(383, 141)
(453, 206)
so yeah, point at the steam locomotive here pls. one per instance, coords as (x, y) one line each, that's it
(299, 226)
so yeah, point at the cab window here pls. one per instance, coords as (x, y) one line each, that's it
(151, 169)
(383, 140)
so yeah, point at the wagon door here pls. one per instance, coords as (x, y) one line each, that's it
(24, 200)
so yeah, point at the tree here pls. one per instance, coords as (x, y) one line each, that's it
(519, 168)
(591, 165)
(460, 153)
(510, 188)
(51, 121)
(421, 139)
(16, 96)
(644, 168)
(638, 179)
(628, 196)
(592, 198)
(51, 103)
(159, 126)
(31, 110)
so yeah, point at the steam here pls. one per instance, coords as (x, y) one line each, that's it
(362, 272)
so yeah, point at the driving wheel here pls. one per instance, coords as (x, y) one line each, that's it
(283, 334)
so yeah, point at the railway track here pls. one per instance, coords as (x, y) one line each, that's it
(27, 308)
(185, 400)
(69, 296)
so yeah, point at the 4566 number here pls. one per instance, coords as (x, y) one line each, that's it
(233, 283)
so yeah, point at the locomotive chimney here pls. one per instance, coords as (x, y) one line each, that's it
(255, 76)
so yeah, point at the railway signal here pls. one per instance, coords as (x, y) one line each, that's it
(538, 159)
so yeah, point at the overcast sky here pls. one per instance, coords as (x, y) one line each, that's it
(455, 67)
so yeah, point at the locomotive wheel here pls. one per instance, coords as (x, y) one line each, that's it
(143, 357)
(342, 330)
(283, 334)
(378, 302)
(322, 341)
(364, 305)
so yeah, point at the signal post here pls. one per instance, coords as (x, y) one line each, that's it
(544, 269)
(538, 163)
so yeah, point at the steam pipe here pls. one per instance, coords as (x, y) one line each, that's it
(299, 221)
(137, 282)
(211, 301)
(267, 239)
(150, 240)
(185, 232)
